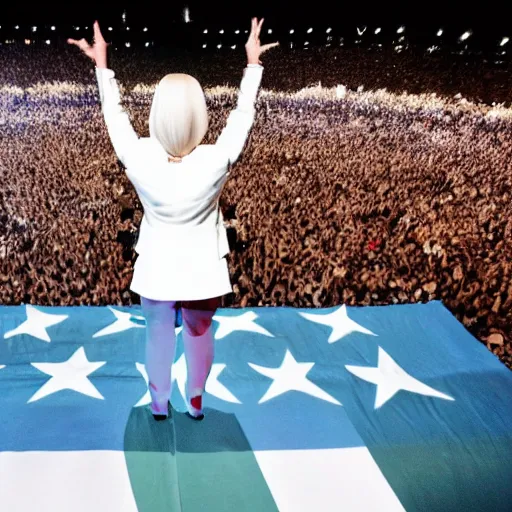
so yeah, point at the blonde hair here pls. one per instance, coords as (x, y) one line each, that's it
(178, 118)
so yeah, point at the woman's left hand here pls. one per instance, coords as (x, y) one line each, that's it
(98, 51)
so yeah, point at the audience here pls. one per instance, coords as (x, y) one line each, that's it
(346, 192)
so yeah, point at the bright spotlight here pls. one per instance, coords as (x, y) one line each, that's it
(440, 32)
(17, 27)
(205, 31)
(204, 46)
(221, 31)
(292, 31)
(504, 41)
(145, 29)
(233, 47)
(110, 28)
(328, 30)
(237, 31)
(47, 41)
(128, 45)
(219, 46)
(34, 29)
(53, 27)
(465, 36)
(377, 30)
(186, 15)
(400, 29)
(310, 30)
(147, 44)
(270, 31)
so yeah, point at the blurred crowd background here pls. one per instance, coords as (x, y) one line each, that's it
(373, 174)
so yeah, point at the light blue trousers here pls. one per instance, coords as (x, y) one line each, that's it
(161, 350)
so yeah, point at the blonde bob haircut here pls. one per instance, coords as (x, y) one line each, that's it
(178, 118)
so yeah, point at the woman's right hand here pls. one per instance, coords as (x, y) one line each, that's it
(98, 51)
(253, 46)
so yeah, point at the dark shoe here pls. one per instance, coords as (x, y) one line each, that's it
(162, 417)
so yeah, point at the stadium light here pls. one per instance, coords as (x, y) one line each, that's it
(17, 27)
(205, 31)
(504, 41)
(127, 28)
(440, 32)
(53, 27)
(147, 44)
(310, 30)
(328, 31)
(204, 46)
(465, 36)
(47, 41)
(128, 45)
(77, 28)
(219, 46)
(145, 29)
(27, 41)
(292, 31)
(306, 43)
(186, 15)
(34, 29)
(237, 31)
(233, 47)
(377, 30)
(400, 29)
(221, 31)
(110, 28)
(270, 31)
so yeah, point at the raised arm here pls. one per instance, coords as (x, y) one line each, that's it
(232, 139)
(121, 132)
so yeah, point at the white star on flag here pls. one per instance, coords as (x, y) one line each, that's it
(123, 323)
(213, 386)
(291, 376)
(340, 323)
(36, 324)
(243, 322)
(71, 374)
(390, 379)
(146, 399)
(179, 375)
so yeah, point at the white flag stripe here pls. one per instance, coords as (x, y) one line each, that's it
(337, 479)
(81, 481)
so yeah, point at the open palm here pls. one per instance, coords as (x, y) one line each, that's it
(253, 46)
(98, 51)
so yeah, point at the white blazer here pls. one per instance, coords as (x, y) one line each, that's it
(182, 225)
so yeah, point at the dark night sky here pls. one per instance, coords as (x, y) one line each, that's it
(276, 11)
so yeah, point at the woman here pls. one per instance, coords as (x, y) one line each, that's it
(182, 242)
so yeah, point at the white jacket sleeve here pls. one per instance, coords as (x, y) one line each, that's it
(119, 128)
(232, 139)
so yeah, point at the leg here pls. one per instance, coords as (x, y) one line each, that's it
(160, 351)
(199, 349)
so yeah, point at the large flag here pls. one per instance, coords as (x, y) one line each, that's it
(341, 409)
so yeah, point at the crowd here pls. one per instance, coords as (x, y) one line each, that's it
(344, 193)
